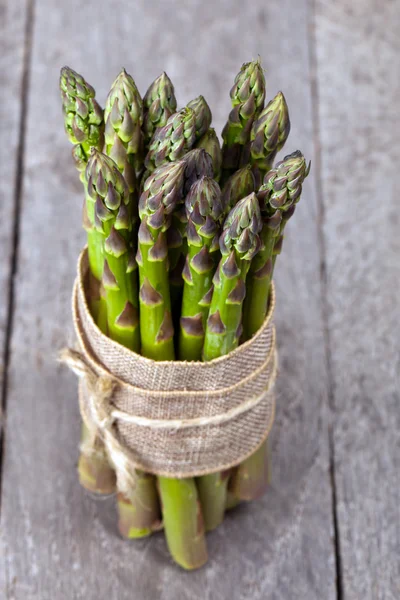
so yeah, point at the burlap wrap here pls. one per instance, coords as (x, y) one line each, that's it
(177, 419)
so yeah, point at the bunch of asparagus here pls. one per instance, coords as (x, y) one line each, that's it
(182, 237)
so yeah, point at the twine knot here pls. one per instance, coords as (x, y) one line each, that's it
(100, 404)
(100, 388)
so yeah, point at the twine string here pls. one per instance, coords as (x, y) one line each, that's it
(100, 420)
(101, 389)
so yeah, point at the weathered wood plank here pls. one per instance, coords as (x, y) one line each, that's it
(12, 37)
(12, 32)
(59, 542)
(360, 127)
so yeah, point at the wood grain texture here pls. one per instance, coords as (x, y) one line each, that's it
(359, 90)
(12, 38)
(12, 33)
(60, 543)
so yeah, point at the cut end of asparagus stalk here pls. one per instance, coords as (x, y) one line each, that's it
(96, 476)
(95, 473)
(139, 516)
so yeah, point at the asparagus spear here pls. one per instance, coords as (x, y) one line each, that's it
(183, 521)
(172, 141)
(204, 211)
(239, 243)
(239, 185)
(159, 104)
(123, 115)
(83, 117)
(139, 513)
(84, 125)
(112, 217)
(197, 164)
(202, 114)
(278, 196)
(162, 191)
(247, 96)
(294, 188)
(180, 506)
(210, 143)
(268, 135)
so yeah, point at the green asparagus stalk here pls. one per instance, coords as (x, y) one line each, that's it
(247, 97)
(288, 214)
(159, 104)
(202, 114)
(179, 501)
(172, 141)
(183, 521)
(140, 513)
(84, 125)
(259, 278)
(123, 115)
(204, 211)
(239, 185)
(278, 195)
(162, 192)
(251, 478)
(231, 500)
(112, 217)
(95, 473)
(294, 190)
(197, 164)
(239, 243)
(210, 143)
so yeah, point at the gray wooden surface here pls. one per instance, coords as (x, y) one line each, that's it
(329, 525)
(359, 130)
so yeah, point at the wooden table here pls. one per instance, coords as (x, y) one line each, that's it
(329, 525)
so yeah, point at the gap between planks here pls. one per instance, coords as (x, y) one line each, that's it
(16, 212)
(312, 48)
